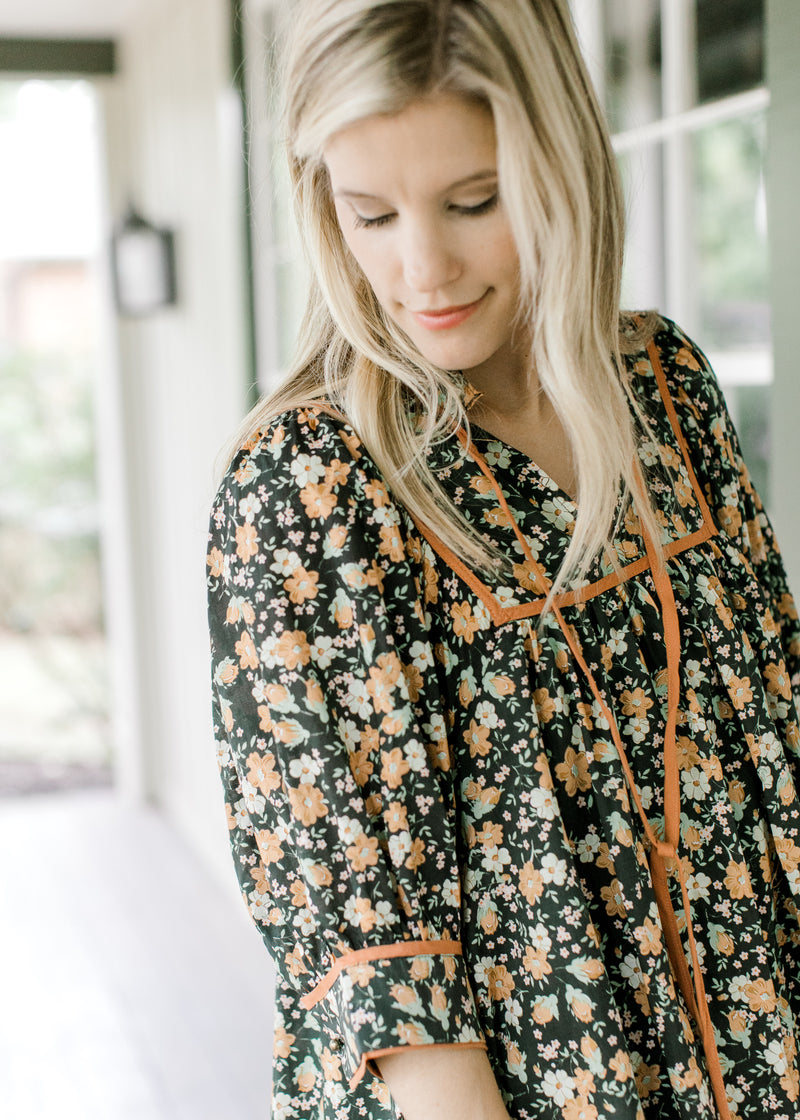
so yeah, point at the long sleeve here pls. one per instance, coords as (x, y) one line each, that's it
(331, 741)
(732, 498)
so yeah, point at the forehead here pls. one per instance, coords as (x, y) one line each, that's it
(432, 143)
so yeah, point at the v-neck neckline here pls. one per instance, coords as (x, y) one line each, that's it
(529, 464)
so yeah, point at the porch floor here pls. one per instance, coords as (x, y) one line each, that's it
(131, 985)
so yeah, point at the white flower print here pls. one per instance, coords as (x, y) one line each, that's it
(559, 1086)
(307, 469)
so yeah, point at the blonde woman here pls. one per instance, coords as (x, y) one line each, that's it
(504, 653)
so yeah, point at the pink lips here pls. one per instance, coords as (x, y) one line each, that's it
(448, 317)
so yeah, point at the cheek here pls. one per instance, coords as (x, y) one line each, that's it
(373, 262)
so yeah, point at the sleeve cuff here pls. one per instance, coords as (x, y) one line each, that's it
(417, 994)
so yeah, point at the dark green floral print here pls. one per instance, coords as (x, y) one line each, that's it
(429, 816)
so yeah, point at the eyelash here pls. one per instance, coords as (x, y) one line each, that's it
(463, 211)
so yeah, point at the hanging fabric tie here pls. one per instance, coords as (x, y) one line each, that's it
(663, 852)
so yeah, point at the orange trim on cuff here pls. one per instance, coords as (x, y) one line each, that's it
(369, 1055)
(378, 953)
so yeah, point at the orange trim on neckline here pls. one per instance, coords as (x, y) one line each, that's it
(378, 953)
(533, 608)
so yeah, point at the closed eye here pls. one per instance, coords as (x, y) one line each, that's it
(371, 223)
(485, 207)
(481, 208)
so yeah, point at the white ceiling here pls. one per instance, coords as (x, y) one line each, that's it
(65, 18)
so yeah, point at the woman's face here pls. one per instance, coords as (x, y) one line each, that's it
(416, 195)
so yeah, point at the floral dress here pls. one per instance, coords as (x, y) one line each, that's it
(576, 845)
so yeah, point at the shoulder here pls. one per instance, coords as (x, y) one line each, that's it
(309, 459)
(305, 484)
(297, 446)
(671, 374)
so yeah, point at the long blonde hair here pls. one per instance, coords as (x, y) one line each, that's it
(559, 185)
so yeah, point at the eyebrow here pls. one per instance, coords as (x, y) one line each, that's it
(478, 177)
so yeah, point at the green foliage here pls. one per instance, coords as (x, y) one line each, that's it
(49, 550)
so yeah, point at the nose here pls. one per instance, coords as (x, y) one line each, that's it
(430, 260)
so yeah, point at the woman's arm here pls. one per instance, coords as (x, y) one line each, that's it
(443, 1083)
(332, 748)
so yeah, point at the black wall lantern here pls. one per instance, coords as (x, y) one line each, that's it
(143, 266)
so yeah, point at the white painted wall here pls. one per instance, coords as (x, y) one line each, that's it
(783, 175)
(173, 144)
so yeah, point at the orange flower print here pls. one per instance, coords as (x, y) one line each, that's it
(531, 883)
(331, 1065)
(737, 880)
(239, 609)
(359, 912)
(614, 898)
(739, 690)
(574, 771)
(293, 649)
(337, 536)
(438, 998)
(760, 995)
(420, 968)
(282, 1041)
(648, 934)
(361, 974)
(477, 739)
(377, 493)
(306, 1076)
(724, 943)
(491, 834)
(302, 585)
(403, 994)
(259, 876)
(730, 519)
(382, 680)
(417, 855)
(685, 357)
(299, 893)
(536, 963)
(319, 874)
(391, 542)
(688, 756)
(215, 561)
(542, 1013)
(500, 983)
(396, 817)
(363, 852)
(246, 542)
(787, 851)
(579, 1108)
(777, 680)
(319, 500)
(545, 705)
(621, 1065)
(635, 702)
(261, 772)
(411, 1034)
(464, 622)
(336, 473)
(395, 767)
(308, 803)
(647, 1079)
(246, 652)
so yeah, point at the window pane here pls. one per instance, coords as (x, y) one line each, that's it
(642, 171)
(731, 233)
(633, 60)
(730, 47)
(732, 276)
